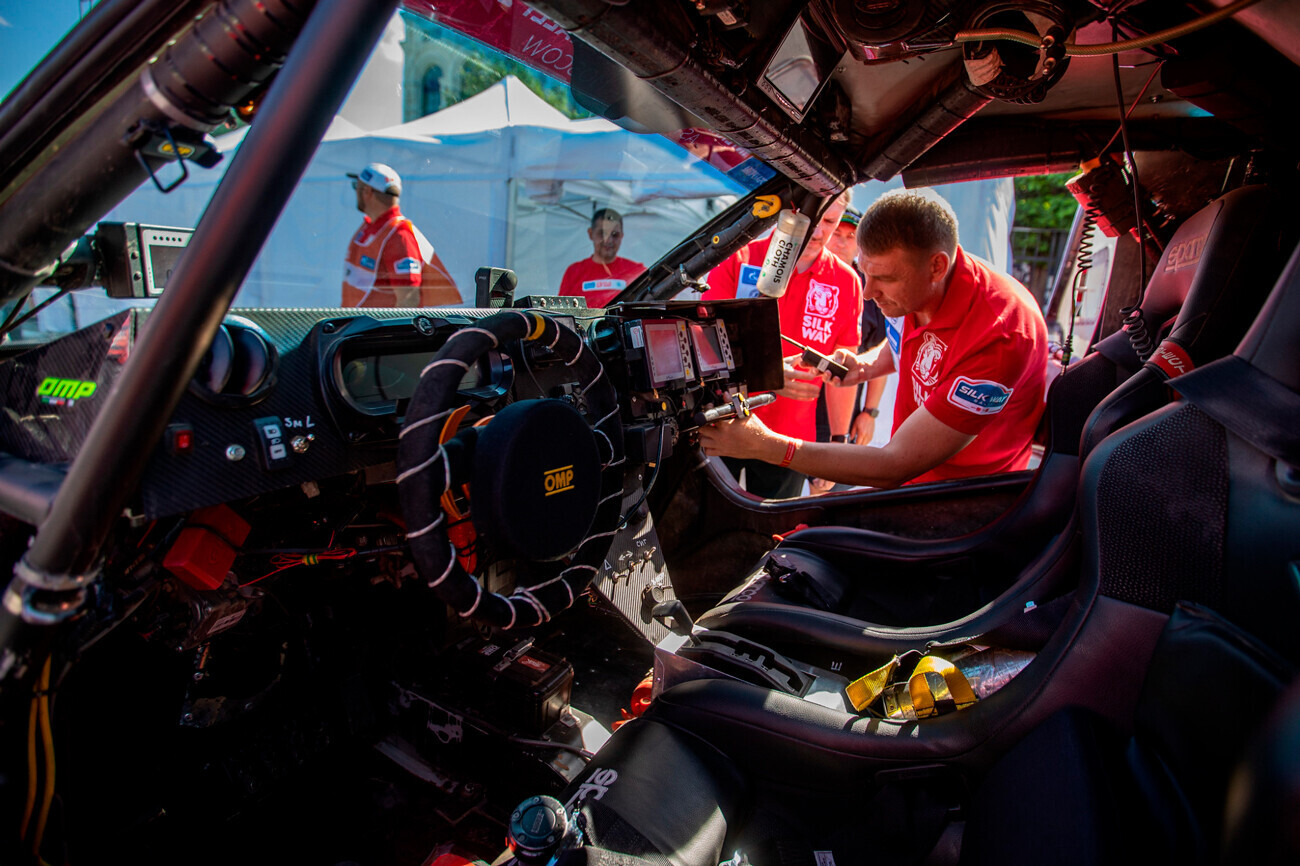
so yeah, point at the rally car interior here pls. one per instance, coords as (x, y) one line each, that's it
(859, 576)
(398, 585)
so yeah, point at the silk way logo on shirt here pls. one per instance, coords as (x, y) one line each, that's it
(819, 311)
(979, 396)
(407, 266)
(747, 285)
(604, 285)
(367, 263)
(929, 359)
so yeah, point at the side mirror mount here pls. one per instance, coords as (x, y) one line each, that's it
(494, 287)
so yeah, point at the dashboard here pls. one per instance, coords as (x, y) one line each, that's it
(289, 397)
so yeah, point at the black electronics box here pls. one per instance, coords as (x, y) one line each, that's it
(515, 684)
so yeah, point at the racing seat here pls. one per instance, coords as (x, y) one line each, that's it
(1177, 640)
(867, 576)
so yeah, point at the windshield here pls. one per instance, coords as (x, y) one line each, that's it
(468, 112)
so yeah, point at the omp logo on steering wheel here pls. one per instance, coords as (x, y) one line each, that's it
(559, 480)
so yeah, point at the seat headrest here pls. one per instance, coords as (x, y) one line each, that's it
(1272, 345)
(1202, 264)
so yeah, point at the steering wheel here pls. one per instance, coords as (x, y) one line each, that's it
(545, 476)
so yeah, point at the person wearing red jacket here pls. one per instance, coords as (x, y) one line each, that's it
(821, 308)
(972, 361)
(389, 262)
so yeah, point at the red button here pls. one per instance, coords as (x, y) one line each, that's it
(182, 438)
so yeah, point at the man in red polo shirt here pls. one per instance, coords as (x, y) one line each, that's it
(389, 263)
(822, 308)
(972, 360)
(602, 275)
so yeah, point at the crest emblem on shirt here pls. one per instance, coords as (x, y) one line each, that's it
(929, 359)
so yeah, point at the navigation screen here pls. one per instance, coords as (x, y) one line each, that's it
(708, 349)
(664, 352)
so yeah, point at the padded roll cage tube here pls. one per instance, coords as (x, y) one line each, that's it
(649, 50)
(426, 469)
(192, 86)
(81, 70)
(334, 45)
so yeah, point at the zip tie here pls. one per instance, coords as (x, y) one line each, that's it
(491, 336)
(543, 615)
(478, 596)
(425, 465)
(591, 384)
(453, 361)
(429, 528)
(447, 570)
(559, 577)
(426, 420)
(608, 442)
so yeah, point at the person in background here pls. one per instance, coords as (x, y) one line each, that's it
(972, 361)
(389, 262)
(822, 308)
(603, 274)
(844, 244)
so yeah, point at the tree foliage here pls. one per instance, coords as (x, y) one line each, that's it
(1043, 202)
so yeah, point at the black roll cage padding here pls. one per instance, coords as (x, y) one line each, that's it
(332, 49)
(425, 470)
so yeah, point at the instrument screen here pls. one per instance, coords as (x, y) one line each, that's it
(372, 381)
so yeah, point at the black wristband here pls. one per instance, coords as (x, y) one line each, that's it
(839, 437)
(874, 413)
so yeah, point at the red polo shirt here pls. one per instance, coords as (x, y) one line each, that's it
(822, 308)
(598, 283)
(980, 367)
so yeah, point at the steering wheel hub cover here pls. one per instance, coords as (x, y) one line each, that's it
(536, 480)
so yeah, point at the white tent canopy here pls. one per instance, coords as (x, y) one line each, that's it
(501, 179)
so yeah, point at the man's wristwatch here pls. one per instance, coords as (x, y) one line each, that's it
(839, 437)
(874, 413)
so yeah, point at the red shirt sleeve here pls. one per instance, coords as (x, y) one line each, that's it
(399, 261)
(722, 279)
(569, 283)
(979, 386)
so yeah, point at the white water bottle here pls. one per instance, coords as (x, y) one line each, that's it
(778, 265)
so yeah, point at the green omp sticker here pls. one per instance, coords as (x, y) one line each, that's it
(59, 392)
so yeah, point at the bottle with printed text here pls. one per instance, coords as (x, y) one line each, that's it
(782, 252)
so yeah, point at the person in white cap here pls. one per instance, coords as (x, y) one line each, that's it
(390, 263)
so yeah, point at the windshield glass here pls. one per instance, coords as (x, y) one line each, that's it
(466, 110)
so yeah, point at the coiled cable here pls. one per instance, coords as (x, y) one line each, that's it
(1082, 264)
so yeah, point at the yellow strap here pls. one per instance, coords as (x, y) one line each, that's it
(936, 680)
(865, 689)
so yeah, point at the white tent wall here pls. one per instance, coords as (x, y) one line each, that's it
(458, 185)
(985, 211)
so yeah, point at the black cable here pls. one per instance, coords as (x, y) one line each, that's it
(654, 476)
(1133, 323)
(11, 324)
(13, 314)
